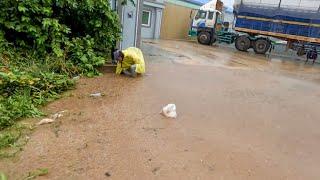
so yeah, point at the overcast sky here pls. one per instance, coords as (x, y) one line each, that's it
(228, 3)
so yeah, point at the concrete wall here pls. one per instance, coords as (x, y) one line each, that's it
(148, 31)
(130, 17)
(176, 21)
(156, 8)
(158, 22)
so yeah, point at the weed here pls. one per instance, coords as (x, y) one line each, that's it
(8, 139)
(38, 172)
(11, 140)
(3, 176)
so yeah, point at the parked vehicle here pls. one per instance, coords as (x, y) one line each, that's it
(256, 21)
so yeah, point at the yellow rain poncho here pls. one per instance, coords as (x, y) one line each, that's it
(132, 56)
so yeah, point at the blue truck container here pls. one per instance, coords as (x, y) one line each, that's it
(296, 21)
(301, 24)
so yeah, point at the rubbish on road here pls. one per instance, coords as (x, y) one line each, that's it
(46, 121)
(52, 119)
(57, 115)
(76, 78)
(96, 95)
(169, 111)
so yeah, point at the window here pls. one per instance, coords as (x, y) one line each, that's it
(210, 16)
(201, 15)
(146, 18)
(220, 18)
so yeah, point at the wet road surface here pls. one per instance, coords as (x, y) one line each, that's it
(240, 116)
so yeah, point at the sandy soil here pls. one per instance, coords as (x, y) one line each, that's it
(240, 116)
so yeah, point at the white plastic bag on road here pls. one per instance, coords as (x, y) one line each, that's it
(95, 95)
(169, 111)
(46, 121)
(53, 118)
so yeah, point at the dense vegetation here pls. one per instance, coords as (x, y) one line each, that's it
(44, 44)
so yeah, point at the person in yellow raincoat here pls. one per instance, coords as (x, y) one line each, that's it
(129, 61)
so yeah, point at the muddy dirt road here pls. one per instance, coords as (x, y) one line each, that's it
(240, 116)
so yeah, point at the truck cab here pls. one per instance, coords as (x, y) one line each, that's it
(205, 24)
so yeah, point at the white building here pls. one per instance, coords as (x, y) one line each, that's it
(130, 18)
(151, 19)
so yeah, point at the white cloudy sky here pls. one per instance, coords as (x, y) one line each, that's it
(228, 3)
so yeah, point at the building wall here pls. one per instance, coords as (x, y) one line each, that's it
(176, 21)
(155, 7)
(148, 31)
(130, 17)
(158, 21)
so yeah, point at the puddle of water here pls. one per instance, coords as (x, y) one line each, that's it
(224, 57)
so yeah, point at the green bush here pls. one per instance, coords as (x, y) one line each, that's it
(72, 36)
(43, 44)
(61, 28)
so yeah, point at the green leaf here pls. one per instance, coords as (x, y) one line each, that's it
(25, 19)
(36, 173)
(21, 8)
(3, 176)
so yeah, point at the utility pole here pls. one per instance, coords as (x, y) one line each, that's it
(300, 3)
(279, 4)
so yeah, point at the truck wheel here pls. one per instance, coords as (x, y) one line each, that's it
(261, 46)
(204, 38)
(243, 43)
(214, 39)
(301, 51)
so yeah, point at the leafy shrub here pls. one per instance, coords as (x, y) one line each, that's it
(84, 57)
(21, 92)
(61, 28)
(43, 44)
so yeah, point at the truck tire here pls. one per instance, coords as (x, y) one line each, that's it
(204, 38)
(301, 51)
(261, 46)
(214, 39)
(243, 43)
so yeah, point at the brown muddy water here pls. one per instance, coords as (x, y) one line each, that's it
(240, 116)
